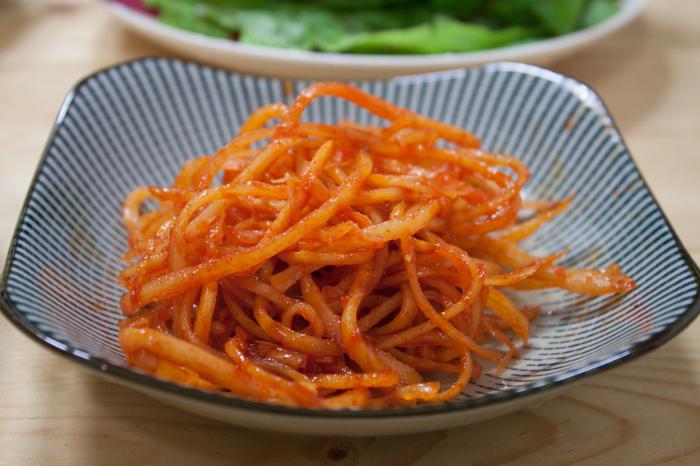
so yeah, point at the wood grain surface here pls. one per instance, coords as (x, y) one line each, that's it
(646, 412)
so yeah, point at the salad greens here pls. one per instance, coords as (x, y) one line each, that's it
(384, 26)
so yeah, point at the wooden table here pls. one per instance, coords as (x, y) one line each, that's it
(647, 412)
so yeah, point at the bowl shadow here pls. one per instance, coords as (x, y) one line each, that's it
(134, 429)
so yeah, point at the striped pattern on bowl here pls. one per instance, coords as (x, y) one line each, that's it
(136, 123)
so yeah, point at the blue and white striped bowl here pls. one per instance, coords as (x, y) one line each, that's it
(136, 123)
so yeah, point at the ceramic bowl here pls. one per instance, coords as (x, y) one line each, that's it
(136, 123)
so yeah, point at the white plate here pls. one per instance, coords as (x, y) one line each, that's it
(302, 64)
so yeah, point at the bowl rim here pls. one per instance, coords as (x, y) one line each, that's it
(628, 11)
(135, 376)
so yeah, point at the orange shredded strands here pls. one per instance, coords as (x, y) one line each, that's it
(337, 264)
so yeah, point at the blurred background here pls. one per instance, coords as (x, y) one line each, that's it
(645, 68)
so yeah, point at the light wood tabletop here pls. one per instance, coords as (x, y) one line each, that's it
(646, 412)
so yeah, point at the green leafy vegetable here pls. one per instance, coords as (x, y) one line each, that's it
(438, 36)
(598, 11)
(559, 16)
(189, 15)
(285, 28)
(462, 9)
(510, 12)
(384, 26)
